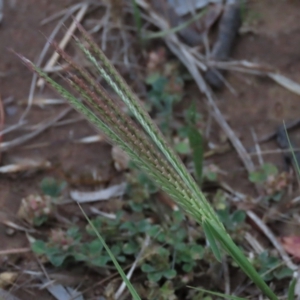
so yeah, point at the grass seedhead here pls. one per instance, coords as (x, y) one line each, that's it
(144, 143)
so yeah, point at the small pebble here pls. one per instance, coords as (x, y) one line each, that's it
(10, 231)
(11, 110)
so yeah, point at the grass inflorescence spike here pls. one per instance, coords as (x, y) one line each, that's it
(144, 143)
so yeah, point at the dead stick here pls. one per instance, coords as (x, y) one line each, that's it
(14, 251)
(64, 41)
(18, 141)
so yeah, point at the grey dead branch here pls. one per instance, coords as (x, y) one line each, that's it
(185, 7)
(42, 101)
(61, 292)
(67, 14)
(41, 128)
(25, 165)
(63, 43)
(1, 11)
(238, 197)
(186, 55)
(4, 295)
(102, 194)
(14, 251)
(192, 62)
(90, 139)
(98, 212)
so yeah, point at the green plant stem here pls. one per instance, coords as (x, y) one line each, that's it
(120, 270)
(181, 26)
(242, 261)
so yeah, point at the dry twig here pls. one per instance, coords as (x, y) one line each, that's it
(185, 55)
(40, 60)
(65, 40)
(20, 140)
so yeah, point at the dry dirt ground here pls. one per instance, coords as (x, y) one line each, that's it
(259, 103)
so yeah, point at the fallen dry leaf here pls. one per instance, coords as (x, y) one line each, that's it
(156, 59)
(120, 158)
(25, 165)
(286, 82)
(7, 296)
(7, 278)
(117, 190)
(291, 244)
(60, 292)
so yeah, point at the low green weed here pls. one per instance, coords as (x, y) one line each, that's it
(273, 182)
(37, 209)
(173, 251)
(270, 267)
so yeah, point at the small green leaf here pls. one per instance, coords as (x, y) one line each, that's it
(161, 251)
(188, 267)
(180, 234)
(95, 247)
(185, 256)
(180, 246)
(278, 196)
(38, 221)
(182, 148)
(145, 181)
(270, 169)
(291, 292)
(267, 261)
(52, 250)
(224, 216)
(197, 252)
(178, 216)
(130, 248)
(156, 276)
(154, 230)
(38, 247)
(80, 256)
(153, 78)
(100, 261)
(136, 207)
(257, 177)
(147, 268)
(58, 259)
(116, 250)
(130, 226)
(238, 216)
(169, 274)
(161, 237)
(191, 115)
(261, 175)
(51, 187)
(211, 176)
(121, 258)
(74, 233)
(97, 222)
(283, 273)
(143, 226)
